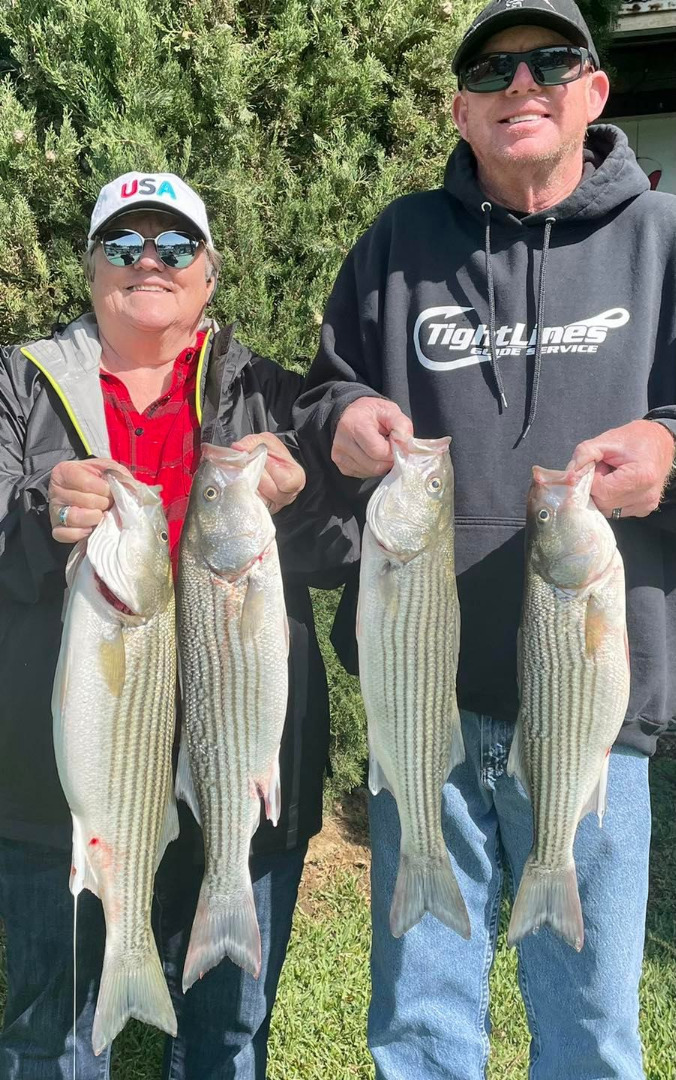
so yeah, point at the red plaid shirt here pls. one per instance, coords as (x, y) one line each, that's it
(162, 444)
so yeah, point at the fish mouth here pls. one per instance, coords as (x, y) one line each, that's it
(110, 598)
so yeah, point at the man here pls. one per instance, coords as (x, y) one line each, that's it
(527, 309)
(142, 380)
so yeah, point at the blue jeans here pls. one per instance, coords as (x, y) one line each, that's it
(224, 1019)
(429, 1016)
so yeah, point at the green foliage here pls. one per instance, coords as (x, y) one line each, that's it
(297, 120)
(348, 721)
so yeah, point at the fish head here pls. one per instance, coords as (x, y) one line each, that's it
(568, 541)
(413, 505)
(232, 525)
(129, 549)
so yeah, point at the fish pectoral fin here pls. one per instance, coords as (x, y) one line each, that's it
(271, 793)
(185, 785)
(598, 800)
(516, 762)
(112, 662)
(377, 779)
(253, 610)
(170, 828)
(595, 626)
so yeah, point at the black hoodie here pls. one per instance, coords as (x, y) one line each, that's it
(437, 307)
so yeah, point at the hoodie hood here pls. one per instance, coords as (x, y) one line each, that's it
(611, 178)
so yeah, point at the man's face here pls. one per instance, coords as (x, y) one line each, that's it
(528, 124)
(149, 296)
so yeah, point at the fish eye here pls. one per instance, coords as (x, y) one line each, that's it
(543, 515)
(164, 536)
(210, 493)
(434, 485)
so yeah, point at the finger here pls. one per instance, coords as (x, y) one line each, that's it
(70, 536)
(358, 464)
(584, 453)
(76, 518)
(74, 497)
(633, 509)
(79, 478)
(626, 484)
(288, 478)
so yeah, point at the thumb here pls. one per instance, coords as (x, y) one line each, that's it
(393, 421)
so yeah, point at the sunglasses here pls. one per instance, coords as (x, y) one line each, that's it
(552, 65)
(124, 247)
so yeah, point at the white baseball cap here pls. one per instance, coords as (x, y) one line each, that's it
(156, 191)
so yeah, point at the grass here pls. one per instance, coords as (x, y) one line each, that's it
(320, 1018)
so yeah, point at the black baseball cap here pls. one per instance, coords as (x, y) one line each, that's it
(564, 16)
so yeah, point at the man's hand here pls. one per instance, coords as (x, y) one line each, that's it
(283, 478)
(633, 463)
(360, 446)
(80, 486)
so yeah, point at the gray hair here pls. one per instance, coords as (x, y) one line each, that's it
(214, 261)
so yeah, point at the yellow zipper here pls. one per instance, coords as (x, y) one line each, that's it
(63, 398)
(198, 383)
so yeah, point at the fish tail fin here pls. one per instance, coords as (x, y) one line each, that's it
(223, 928)
(125, 991)
(427, 884)
(547, 898)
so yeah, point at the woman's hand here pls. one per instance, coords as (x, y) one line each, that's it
(79, 494)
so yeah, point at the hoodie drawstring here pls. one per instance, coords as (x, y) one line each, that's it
(540, 315)
(495, 366)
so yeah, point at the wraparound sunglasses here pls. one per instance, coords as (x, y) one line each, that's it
(124, 247)
(552, 65)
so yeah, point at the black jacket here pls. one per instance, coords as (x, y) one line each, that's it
(437, 307)
(240, 393)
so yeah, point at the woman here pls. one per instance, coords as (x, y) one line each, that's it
(141, 380)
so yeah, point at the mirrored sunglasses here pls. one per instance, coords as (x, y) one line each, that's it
(552, 65)
(124, 247)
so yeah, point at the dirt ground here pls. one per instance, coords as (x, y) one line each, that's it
(341, 845)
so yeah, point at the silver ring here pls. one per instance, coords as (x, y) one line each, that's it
(62, 515)
(616, 513)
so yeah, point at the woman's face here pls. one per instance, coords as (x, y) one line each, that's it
(148, 296)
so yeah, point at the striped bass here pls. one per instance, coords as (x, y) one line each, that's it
(574, 683)
(113, 707)
(233, 649)
(408, 630)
